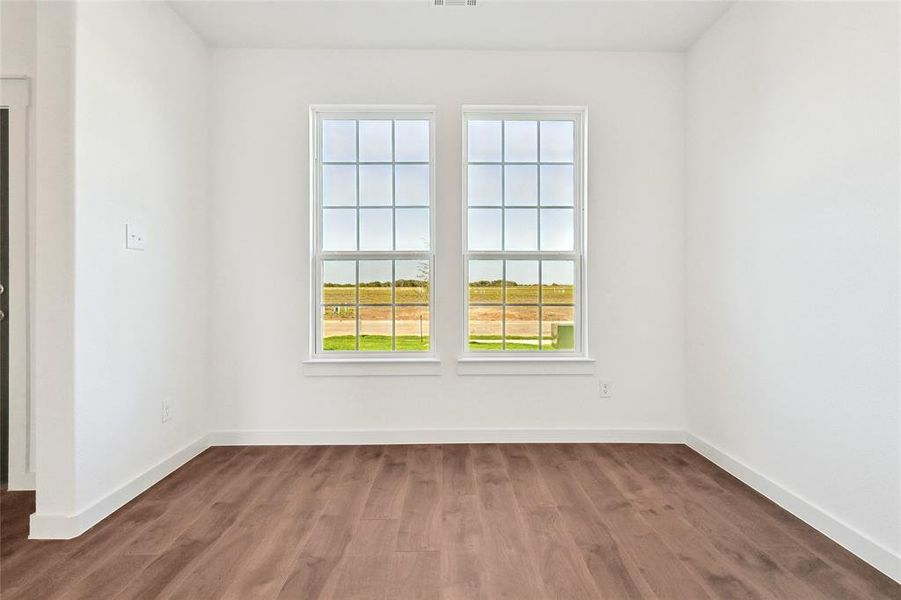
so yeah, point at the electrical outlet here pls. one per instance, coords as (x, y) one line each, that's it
(134, 237)
(606, 389)
(167, 411)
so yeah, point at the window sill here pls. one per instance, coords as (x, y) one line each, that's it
(371, 367)
(525, 365)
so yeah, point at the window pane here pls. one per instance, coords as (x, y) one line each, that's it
(339, 278)
(557, 185)
(375, 282)
(484, 185)
(484, 229)
(486, 281)
(557, 282)
(521, 229)
(411, 327)
(375, 328)
(556, 229)
(557, 141)
(375, 185)
(484, 141)
(485, 328)
(375, 229)
(411, 141)
(522, 282)
(411, 281)
(558, 328)
(412, 228)
(520, 185)
(412, 185)
(339, 185)
(339, 229)
(375, 141)
(520, 141)
(521, 327)
(339, 141)
(339, 328)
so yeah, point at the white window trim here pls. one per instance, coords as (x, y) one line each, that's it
(324, 363)
(537, 362)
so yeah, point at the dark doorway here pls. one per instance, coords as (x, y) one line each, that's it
(4, 295)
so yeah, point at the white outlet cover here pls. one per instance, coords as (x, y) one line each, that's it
(606, 389)
(135, 238)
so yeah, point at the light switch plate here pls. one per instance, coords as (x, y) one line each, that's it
(135, 239)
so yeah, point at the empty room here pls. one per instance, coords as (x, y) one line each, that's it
(450, 299)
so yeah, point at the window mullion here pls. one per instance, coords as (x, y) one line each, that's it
(357, 169)
(503, 194)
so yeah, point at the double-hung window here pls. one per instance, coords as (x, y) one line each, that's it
(523, 230)
(373, 193)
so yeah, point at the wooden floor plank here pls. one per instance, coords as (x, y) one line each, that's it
(646, 509)
(453, 522)
(414, 576)
(462, 538)
(315, 565)
(217, 566)
(512, 568)
(316, 479)
(668, 494)
(386, 498)
(562, 570)
(615, 573)
(420, 520)
(457, 469)
(670, 577)
(364, 572)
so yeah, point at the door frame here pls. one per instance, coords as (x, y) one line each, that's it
(15, 94)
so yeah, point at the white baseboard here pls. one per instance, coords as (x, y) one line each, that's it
(62, 527)
(444, 436)
(854, 541)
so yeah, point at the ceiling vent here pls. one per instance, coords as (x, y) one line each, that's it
(454, 2)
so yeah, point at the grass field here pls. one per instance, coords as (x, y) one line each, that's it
(375, 343)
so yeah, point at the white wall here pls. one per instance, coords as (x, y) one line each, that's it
(792, 259)
(260, 241)
(141, 331)
(18, 43)
(54, 267)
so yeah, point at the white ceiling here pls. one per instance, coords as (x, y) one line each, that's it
(415, 24)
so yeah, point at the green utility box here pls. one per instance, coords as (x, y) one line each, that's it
(564, 335)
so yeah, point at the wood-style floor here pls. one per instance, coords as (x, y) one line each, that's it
(456, 521)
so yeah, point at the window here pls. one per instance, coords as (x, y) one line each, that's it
(372, 259)
(523, 237)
